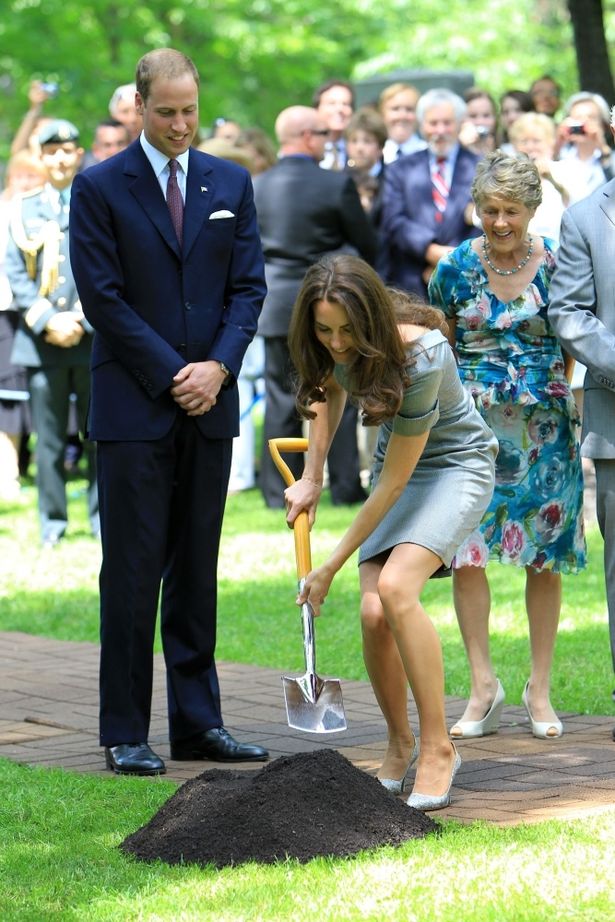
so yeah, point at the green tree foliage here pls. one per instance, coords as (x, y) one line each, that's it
(256, 56)
(505, 43)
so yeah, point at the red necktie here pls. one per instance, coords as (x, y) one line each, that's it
(175, 200)
(439, 188)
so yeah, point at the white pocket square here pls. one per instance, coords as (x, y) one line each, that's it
(216, 215)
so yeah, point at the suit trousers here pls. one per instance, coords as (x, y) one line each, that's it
(282, 421)
(605, 509)
(161, 505)
(50, 391)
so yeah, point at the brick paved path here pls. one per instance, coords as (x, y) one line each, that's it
(49, 714)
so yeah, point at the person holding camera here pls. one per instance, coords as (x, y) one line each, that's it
(26, 137)
(480, 127)
(533, 134)
(588, 161)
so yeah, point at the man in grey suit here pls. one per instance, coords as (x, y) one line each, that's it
(303, 213)
(582, 311)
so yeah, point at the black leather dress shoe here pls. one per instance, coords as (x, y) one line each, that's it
(133, 759)
(217, 745)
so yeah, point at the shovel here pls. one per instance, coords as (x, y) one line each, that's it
(313, 705)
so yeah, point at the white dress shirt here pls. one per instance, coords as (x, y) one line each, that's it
(415, 142)
(160, 166)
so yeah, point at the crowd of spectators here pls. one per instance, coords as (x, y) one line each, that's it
(419, 186)
(384, 147)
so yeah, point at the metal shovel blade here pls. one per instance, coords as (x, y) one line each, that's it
(313, 705)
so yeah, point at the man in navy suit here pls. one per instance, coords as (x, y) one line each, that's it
(173, 290)
(426, 204)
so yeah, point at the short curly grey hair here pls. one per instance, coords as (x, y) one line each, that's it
(503, 176)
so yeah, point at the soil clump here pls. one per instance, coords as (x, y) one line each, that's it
(299, 806)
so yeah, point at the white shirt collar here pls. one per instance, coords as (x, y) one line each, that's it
(414, 143)
(159, 160)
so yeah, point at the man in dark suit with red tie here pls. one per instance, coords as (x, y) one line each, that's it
(426, 195)
(173, 290)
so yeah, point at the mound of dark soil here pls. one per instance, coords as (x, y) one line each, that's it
(298, 806)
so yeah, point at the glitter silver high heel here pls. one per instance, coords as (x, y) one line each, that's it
(397, 787)
(431, 802)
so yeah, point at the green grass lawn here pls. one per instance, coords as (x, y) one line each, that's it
(55, 594)
(58, 854)
(59, 861)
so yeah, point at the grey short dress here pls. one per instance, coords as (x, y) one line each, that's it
(452, 484)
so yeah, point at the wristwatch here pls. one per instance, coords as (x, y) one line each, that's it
(225, 371)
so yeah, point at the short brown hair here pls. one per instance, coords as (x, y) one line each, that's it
(328, 85)
(370, 121)
(162, 62)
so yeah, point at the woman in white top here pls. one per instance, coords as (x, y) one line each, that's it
(587, 160)
(533, 134)
(397, 106)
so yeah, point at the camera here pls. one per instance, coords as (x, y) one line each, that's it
(50, 88)
(576, 128)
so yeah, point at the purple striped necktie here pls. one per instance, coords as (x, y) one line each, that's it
(439, 188)
(175, 200)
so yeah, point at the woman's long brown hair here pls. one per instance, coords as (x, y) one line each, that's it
(378, 375)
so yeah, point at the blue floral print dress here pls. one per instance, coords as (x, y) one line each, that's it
(512, 364)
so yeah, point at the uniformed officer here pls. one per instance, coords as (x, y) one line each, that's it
(53, 340)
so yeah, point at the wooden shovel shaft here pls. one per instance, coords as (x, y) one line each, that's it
(301, 525)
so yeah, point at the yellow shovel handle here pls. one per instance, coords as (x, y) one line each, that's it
(301, 526)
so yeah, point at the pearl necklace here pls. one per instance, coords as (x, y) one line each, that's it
(518, 268)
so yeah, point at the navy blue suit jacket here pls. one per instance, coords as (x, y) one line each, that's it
(409, 222)
(155, 306)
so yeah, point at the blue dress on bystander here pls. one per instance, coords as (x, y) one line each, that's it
(512, 365)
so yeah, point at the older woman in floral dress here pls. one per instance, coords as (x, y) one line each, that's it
(495, 289)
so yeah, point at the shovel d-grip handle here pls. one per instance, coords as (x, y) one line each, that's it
(301, 525)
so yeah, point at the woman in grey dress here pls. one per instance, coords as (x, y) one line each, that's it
(432, 480)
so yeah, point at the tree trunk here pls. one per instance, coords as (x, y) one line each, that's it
(591, 48)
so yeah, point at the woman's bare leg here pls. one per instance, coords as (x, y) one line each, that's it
(472, 606)
(386, 673)
(400, 584)
(543, 599)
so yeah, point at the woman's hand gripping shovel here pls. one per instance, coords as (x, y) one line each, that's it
(313, 705)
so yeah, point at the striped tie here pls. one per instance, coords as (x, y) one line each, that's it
(439, 188)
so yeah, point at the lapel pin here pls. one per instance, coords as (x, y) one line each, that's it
(203, 188)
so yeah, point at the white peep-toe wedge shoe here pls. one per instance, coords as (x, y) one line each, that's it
(469, 729)
(542, 729)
